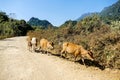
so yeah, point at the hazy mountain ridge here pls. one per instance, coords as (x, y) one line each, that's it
(111, 12)
(86, 15)
(108, 13)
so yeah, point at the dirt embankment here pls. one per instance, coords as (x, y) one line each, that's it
(17, 63)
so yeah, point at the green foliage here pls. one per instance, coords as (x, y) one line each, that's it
(3, 17)
(10, 27)
(69, 24)
(115, 25)
(90, 23)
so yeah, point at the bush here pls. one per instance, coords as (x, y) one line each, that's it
(104, 42)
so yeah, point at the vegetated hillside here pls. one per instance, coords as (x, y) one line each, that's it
(108, 14)
(11, 27)
(43, 24)
(112, 12)
(99, 33)
(86, 15)
(92, 33)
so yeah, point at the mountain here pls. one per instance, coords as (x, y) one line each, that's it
(69, 23)
(86, 15)
(40, 23)
(112, 12)
(107, 14)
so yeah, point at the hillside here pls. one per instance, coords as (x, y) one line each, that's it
(107, 14)
(39, 23)
(69, 23)
(111, 12)
(86, 15)
(92, 33)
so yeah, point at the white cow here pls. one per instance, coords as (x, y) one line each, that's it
(34, 43)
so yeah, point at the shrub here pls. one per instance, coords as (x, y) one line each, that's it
(104, 42)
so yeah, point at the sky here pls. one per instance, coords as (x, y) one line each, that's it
(55, 11)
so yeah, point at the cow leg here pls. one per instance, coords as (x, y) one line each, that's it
(44, 51)
(75, 58)
(33, 47)
(39, 48)
(30, 48)
(83, 61)
(76, 54)
(65, 54)
(48, 53)
(61, 53)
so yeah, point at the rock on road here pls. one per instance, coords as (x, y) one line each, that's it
(17, 63)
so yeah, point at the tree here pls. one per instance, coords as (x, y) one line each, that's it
(3, 17)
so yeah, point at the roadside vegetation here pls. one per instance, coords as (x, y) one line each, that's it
(11, 27)
(99, 32)
(90, 32)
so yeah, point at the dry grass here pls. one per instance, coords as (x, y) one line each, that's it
(104, 43)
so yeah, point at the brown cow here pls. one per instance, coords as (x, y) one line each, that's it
(46, 45)
(29, 44)
(76, 50)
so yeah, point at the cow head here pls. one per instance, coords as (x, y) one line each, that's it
(50, 45)
(90, 55)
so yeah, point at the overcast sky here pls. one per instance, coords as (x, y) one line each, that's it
(55, 11)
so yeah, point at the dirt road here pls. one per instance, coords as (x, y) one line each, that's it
(17, 63)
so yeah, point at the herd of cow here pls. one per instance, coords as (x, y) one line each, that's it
(67, 47)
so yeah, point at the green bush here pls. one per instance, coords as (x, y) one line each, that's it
(11, 27)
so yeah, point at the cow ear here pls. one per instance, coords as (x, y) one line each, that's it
(67, 44)
(52, 43)
(90, 53)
